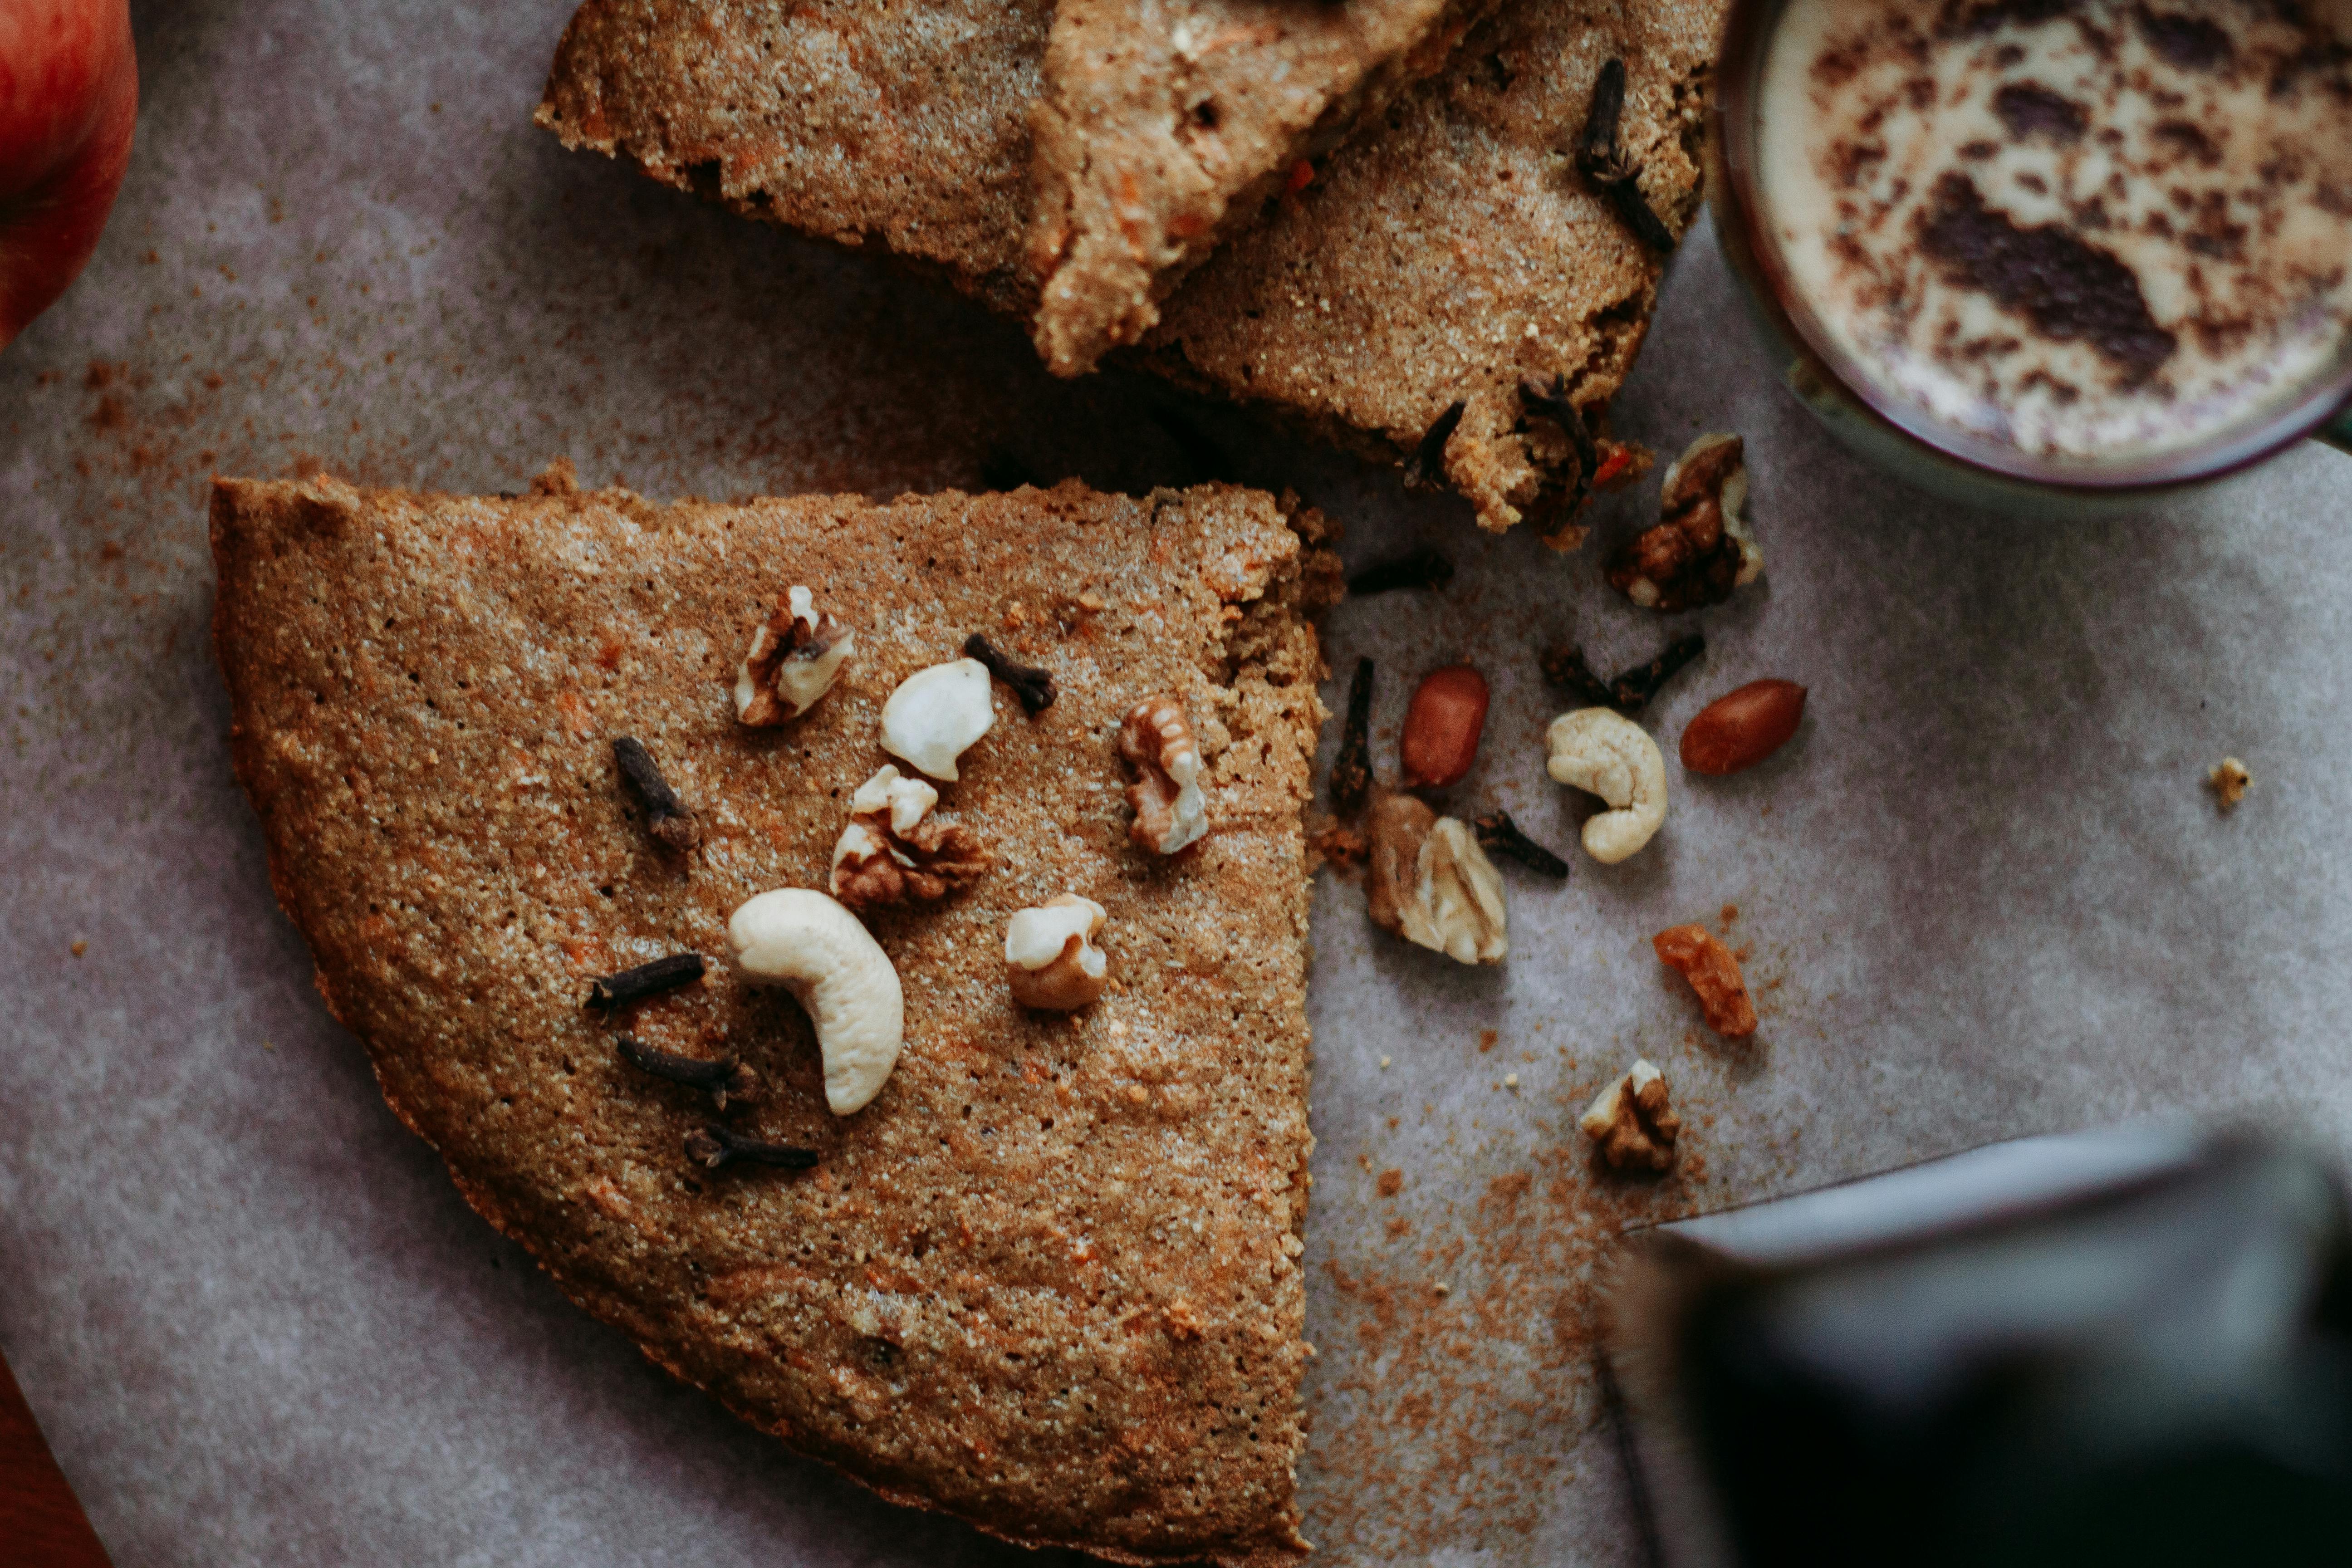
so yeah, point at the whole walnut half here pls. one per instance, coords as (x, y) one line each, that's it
(1703, 549)
(890, 854)
(1157, 744)
(1428, 881)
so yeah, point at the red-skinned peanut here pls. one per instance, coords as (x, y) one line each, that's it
(1442, 727)
(1740, 729)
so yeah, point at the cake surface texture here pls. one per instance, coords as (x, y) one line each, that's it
(896, 123)
(1450, 251)
(1163, 124)
(1456, 254)
(1048, 1279)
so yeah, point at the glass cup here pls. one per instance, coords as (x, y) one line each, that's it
(1907, 439)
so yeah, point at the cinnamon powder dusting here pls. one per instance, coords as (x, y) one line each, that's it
(1457, 1382)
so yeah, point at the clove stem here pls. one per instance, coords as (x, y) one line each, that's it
(645, 979)
(720, 1080)
(667, 817)
(1499, 835)
(718, 1146)
(1351, 770)
(1032, 686)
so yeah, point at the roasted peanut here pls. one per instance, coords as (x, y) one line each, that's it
(1740, 729)
(1703, 959)
(1442, 726)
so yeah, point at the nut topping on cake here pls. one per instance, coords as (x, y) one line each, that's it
(1157, 742)
(810, 946)
(1050, 957)
(889, 855)
(795, 657)
(936, 715)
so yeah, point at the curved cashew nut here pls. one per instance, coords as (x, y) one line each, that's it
(815, 949)
(1604, 753)
(1050, 957)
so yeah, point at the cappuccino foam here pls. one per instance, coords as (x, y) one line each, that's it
(2084, 229)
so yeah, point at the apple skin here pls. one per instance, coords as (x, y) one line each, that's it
(69, 102)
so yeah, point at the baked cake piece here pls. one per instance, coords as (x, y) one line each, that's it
(1165, 123)
(1435, 265)
(1047, 1280)
(1460, 257)
(898, 123)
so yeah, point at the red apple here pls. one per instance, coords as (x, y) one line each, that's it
(69, 98)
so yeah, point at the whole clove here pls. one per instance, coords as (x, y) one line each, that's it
(1634, 687)
(1351, 770)
(718, 1146)
(645, 979)
(1564, 667)
(1422, 569)
(1554, 407)
(667, 817)
(1602, 161)
(1630, 690)
(1034, 687)
(727, 1079)
(1426, 468)
(1498, 835)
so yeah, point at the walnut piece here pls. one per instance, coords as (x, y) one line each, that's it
(889, 855)
(1156, 742)
(1714, 973)
(2228, 781)
(1050, 957)
(1632, 1123)
(1429, 882)
(1703, 549)
(796, 657)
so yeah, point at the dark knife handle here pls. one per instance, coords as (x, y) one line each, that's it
(40, 1519)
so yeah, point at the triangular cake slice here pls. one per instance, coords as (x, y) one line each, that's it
(1047, 1280)
(1406, 301)
(1164, 124)
(899, 125)
(1451, 253)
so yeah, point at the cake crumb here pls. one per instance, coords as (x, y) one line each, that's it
(79, 947)
(1487, 1038)
(2228, 781)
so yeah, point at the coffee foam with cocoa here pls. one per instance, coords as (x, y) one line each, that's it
(2087, 230)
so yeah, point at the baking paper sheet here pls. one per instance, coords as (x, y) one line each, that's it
(1983, 893)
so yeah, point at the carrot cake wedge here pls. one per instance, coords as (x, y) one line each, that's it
(858, 949)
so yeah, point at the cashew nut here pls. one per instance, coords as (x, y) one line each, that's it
(937, 712)
(1050, 957)
(1604, 753)
(806, 943)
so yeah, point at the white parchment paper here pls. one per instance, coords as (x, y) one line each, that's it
(1983, 893)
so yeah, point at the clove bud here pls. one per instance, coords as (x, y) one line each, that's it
(1034, 687)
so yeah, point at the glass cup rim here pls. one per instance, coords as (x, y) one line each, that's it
(1740, 228)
